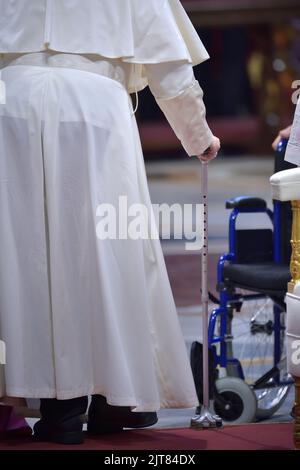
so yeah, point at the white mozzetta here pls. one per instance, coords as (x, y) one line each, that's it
(151, 31)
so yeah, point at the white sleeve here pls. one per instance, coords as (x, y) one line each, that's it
(180, 97)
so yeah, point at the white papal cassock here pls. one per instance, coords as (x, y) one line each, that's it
(81, 315)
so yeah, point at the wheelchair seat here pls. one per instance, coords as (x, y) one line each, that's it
(269, 278)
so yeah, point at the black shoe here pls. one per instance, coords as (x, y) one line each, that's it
(61, 421)
(104, 418)
(70, 434)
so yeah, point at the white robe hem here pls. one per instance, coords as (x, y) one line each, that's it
(112, 400)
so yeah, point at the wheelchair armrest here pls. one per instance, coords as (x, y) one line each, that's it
(246, 202)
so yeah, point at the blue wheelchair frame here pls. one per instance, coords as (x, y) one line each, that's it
(221, 359)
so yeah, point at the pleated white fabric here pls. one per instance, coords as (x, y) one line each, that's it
(80, 315)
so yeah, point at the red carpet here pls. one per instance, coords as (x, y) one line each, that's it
(246, 437)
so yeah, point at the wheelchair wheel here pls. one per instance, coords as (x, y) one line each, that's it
(235, 402)
(251, 333)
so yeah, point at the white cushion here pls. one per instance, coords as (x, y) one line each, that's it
(285, 185)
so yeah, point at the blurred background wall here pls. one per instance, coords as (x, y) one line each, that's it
(255, 56)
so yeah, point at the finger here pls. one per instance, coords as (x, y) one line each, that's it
(203, 157)
(207, 158)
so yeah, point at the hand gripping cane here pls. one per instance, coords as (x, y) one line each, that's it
(206, 419)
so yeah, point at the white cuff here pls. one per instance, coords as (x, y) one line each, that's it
(186, 115)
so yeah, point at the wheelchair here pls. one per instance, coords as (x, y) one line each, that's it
(246, 331)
